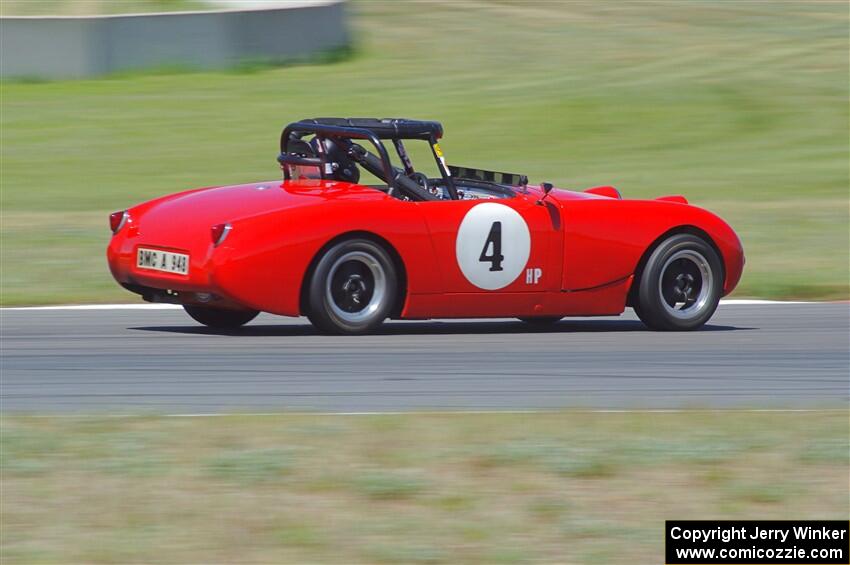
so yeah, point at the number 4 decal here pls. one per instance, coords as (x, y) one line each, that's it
(492, 246)
(494, 239)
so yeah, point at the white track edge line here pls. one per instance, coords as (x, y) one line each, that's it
(435, 413)
(95, 307)
(731, 302)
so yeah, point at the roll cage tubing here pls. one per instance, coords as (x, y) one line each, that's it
(379, 166)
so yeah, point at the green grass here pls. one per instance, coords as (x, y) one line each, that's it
(740, 106)
(564, 487)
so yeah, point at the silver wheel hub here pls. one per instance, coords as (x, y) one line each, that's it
(356, 287)
(686, 284)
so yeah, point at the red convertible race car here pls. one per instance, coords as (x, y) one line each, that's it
(467, 243)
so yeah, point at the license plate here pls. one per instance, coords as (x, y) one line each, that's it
(162, 261)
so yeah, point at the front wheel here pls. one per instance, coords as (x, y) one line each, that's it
(681, 284)
(353, 288)
(220, 318)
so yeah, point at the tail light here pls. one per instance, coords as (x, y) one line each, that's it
(219, 233)
(117, 220)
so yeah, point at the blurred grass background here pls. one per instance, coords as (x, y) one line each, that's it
(443, 488)
(740, 106)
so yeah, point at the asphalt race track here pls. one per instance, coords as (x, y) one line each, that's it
(119, 361)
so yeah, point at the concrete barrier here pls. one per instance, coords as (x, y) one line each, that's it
(75, 47)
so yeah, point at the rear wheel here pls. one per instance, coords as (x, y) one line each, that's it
(220, 318)
(681, 284)
(353, 288)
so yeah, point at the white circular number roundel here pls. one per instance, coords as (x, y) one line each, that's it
(492, 245)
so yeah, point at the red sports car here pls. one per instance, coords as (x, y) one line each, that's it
(467, 243)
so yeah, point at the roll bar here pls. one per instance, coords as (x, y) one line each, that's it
(343, 129)
(305, 128)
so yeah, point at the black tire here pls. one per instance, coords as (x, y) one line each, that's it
(542, 321)
(220, 318)
(681, 284)
(353, 288)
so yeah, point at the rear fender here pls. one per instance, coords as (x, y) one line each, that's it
(266, 259)
(401, 269)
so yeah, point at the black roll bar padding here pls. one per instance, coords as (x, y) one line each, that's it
(386, 128)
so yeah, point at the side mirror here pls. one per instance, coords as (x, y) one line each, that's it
(547, 188)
